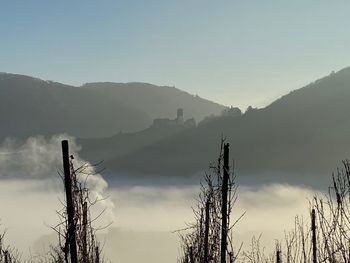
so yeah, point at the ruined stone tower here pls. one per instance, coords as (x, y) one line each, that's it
(180, 116)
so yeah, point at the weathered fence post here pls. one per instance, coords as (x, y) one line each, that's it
(71, 238)
(206, 230)
(191, 255)
(224, 194)
(97, 259)
(278, 254)
(6, 256)
(85, 222)
(314, 240)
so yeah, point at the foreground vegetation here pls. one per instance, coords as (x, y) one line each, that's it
(323, 237)
(76, 236)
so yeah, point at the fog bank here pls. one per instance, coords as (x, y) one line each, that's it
(144, 217)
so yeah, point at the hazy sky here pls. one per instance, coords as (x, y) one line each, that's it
(236, 52)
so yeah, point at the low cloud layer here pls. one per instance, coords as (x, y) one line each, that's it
(144, 216)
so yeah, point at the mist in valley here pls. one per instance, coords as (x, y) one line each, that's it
(143, 218)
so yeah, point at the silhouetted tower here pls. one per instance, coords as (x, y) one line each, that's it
(180, 116)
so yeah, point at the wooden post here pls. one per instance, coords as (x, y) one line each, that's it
(206, 231)
(186, 258)
(70, 205)
(6, 256)
(85, 222)
(191, 255)
(314, 240)
(278, 255)
(97, 258)
(224, 194)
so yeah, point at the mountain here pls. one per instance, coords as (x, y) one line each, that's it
(121, 144)
(30, 106)
(299, 137)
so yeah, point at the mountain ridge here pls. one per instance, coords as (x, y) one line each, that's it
(31, 106)
(303, 133)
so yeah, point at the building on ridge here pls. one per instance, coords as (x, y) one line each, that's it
(179, 121)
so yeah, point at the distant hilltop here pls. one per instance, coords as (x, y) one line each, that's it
(300, 138)
(30, 106)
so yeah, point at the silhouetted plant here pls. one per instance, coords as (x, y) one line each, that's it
(326, 238)
(202, 241)
(81, 235)
(7, 253)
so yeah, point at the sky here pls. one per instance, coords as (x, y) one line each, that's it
(237, 52)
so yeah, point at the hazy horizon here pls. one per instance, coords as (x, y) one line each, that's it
(236, 53)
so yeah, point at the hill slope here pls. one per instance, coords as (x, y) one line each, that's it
(303, 133)
(30, 106)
